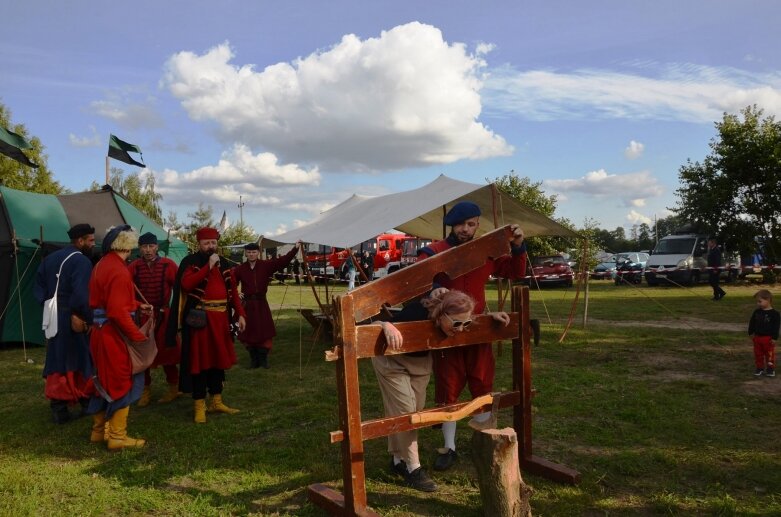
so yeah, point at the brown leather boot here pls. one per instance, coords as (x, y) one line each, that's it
(99, 428)
(146, 397)
(117, 432)
(172, 394)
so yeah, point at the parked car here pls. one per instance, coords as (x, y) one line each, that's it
(605, 270)
(551, 270)
(630, 267)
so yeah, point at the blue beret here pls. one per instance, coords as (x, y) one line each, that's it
(112, 235)
(147, 238)
(461, 212)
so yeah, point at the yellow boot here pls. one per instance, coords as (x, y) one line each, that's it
(117, 431)
(217, 406)
(173, 394)
(200, 411)
(146, 397)
(99, 428)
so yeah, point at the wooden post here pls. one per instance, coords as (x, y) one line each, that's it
(503, 492)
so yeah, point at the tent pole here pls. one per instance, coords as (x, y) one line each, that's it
(19, 295)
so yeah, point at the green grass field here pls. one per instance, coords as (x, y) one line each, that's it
(654, 402)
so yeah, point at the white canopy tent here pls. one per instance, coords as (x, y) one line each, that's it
(417, 212)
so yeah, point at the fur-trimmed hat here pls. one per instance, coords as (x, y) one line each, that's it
(120, 238)
(207, 234)
(461, 212)
(78, 231)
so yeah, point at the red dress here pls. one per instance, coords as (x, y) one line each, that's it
(156, 281)
(254, 285)
(111, 289)
(211, 347)
(471, 365)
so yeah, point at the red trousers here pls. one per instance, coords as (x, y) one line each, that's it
(764, 351)
(457, 367)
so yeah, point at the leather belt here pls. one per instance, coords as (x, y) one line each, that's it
(213, 305)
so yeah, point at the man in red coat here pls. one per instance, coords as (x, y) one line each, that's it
(155, 276)
(471, 365)
(254, 276)
(113, 302)
(208, 285)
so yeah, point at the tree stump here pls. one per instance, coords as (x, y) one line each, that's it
(495, 455)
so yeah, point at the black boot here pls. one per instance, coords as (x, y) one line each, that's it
(60, 413)
(535, 325)
(263, 357)
(254, 357)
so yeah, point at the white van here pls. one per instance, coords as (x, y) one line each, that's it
(679, 259)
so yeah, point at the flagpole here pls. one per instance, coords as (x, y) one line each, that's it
(107, 170)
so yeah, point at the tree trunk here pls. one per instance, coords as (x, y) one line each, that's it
(495, 455)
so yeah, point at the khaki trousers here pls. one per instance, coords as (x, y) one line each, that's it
(403, 380)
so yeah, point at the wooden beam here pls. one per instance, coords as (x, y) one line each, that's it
(416, 279)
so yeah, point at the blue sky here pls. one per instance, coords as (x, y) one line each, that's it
(296, 105)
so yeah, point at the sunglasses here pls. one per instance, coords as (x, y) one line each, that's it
(458, 323)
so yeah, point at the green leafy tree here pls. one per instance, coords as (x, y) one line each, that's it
(531, 194)
(203, 216)
(21, 177)
(140, 192)
(734, 192)
(644, 240)
(667, 226)
(238, 233)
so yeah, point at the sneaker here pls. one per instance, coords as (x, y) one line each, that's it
(419, 480)
(758, 372)
(446, 459)
(770, 372)
(399, 468)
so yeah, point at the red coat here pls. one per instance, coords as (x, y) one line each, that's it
(156, 281)
(111, 289)
(254, 285)
(212, 346)
(473, 283)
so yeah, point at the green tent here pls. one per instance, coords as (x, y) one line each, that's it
(32, 225)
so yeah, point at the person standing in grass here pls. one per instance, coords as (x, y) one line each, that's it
(155, 276)
(763, 328)
(714, 269)
(68, 365)
(205, 295)
(403, 378)
(113, 302)
(473, 365)
(254, 276)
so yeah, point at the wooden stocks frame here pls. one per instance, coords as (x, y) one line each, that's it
(354, 341)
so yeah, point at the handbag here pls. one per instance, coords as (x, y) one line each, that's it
(195, 318)
(78, 325)
(142, 354)
(49, 320)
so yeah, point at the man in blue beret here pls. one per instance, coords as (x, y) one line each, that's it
(473, 365)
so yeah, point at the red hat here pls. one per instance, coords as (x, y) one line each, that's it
(207, 234)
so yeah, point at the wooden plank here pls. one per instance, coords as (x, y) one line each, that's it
(416, 279)
(332, 501)
(423, 335)
(522, 382)
(379, 427)
(353, 471)
(549, 470)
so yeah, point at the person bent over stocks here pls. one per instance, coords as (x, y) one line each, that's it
(473, 365)
(205, 289)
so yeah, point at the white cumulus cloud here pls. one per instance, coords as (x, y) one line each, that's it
(634, 150)
(632, 188)
(636, 217)
(406, 98)
(93, 140)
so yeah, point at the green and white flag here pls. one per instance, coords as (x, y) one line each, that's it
(119, 150)
(12, 144)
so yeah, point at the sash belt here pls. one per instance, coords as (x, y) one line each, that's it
(213, 305)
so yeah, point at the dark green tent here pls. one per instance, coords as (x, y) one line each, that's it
(31, 225)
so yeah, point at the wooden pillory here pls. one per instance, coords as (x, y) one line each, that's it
(354, 340)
